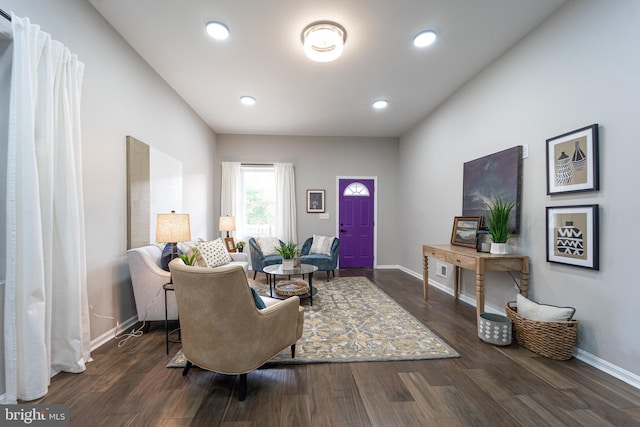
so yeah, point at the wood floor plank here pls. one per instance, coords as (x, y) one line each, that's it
(378, 406)
(551, 412)
(425, 397)
(334, 397)
(528, 414)
(586, 417)
(483, 412)
(411, 414)
(295, 411)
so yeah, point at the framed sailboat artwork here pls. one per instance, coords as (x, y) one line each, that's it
(572, 161)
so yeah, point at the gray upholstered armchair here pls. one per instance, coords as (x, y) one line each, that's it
(260, 260)
(324, 262)
(222, 330)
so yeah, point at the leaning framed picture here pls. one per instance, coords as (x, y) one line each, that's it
(573, 235)
(465, 231)
(572, 161)
(230, 244)
(315, 201)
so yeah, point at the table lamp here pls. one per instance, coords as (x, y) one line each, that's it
(228, 223)
(173, 228)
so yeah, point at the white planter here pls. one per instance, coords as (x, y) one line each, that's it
(499, 248)
(287, 264)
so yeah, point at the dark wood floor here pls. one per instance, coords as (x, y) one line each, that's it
(486, 386)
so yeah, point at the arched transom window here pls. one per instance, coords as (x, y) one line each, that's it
(356, 189)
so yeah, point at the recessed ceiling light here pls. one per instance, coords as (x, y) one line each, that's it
(424, 38)
(323, 41)
(217, 30)
(247, 100)
(380, 104)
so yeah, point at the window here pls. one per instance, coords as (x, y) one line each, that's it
(258, 200)
(356, 189)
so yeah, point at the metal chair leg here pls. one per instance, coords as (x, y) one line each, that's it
(186, 368)
(243, 386)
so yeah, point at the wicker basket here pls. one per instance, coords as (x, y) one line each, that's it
(554, 340)
(289, 288)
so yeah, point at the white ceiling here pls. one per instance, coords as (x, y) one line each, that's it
(264, 58)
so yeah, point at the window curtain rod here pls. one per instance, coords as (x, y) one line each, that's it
(5, 15)
(256, 164)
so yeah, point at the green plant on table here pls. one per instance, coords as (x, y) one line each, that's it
(287, 250)
(240, 244)
(190, 259)
(498, 219)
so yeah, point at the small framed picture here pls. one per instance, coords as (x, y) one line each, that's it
(572, 161)
(573, 236)
(465, 231)
(230, 244)
(315, 201)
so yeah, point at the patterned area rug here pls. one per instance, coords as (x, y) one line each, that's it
(352, 320)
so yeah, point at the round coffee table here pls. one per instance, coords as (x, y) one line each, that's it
(272, 271)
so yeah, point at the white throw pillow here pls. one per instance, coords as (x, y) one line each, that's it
(268, 245)
(321, 245)
(541, 312)
(214, 253)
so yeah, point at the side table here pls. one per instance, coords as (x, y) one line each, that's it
(479, 262)
(168, 287)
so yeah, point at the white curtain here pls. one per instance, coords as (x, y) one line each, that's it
(230, 200)
(46, 308)
(286, 225)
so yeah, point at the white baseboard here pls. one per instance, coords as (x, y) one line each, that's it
(112, 333)
(584, 356)
(391, 267)
(611, 369)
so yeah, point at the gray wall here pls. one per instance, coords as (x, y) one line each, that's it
(318, 161)
(580, 67)
(122, 96)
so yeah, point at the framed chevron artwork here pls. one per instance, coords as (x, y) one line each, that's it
(573, 235)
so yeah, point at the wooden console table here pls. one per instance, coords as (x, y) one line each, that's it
(480, 262)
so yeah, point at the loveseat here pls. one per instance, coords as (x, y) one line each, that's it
(147, 278)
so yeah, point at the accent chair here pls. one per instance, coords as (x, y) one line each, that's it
(324, 262)
(260, 260)
(222, 330)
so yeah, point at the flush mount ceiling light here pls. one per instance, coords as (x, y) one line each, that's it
(380, 104)
(217, 30)
(425, 38)
(323, 41)
(247, 100)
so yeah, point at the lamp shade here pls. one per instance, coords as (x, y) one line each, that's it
(172, 228)
(227, 223)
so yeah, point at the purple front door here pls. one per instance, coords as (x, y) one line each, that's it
(355, 214)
